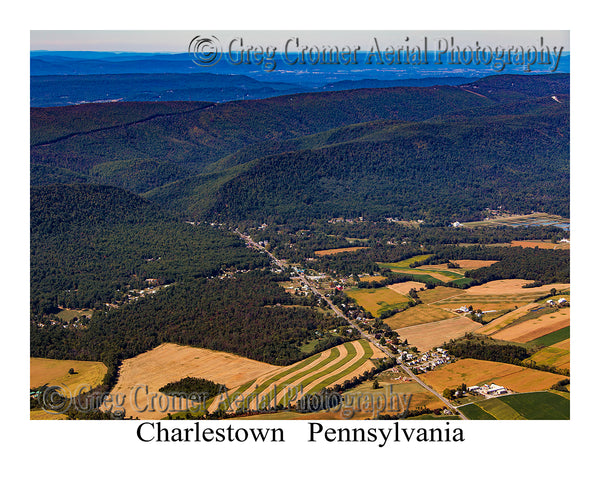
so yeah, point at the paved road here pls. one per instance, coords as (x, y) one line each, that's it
(364, 335)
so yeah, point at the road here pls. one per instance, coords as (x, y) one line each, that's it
(363, 334)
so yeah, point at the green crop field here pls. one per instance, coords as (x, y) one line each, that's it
(529, 406)
(378, 300)
(475, 412)
(551, 338)
(405, 263)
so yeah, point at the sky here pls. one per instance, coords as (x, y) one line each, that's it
(177, 41)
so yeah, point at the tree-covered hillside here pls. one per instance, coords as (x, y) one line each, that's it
(89, 243)
(428, 170)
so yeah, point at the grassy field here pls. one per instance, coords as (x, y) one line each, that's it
(405, 263)
(56, 372)
(437, 294)
(67, 314)
(475, 412)
(377, 300)
(418, 315)
(478, 372)
(506, 319)
(557, 355)
(552, 338)
(526, 406)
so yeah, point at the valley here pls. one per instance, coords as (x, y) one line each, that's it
(295, 251)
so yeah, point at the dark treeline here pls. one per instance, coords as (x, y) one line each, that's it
(237, 315)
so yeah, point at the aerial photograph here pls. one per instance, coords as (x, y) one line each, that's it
(299, 225)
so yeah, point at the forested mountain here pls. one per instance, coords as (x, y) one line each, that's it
(428, 170)
(90, 244)
(412, 149)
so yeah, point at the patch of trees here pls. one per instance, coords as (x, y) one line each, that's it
(482, 348)
(201, 387)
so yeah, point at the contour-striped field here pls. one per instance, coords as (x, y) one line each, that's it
(287, 384)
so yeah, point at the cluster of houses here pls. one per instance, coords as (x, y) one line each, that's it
(486, 390)
(426, 361)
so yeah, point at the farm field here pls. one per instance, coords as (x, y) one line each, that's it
(557, 355)
(405, 263)
(309, 376)
(377, 300)
(404, 287)
(506, 319)
(477, 372)
(372, 278)
(474, 264)
(333, 251)
(436, 294)
(531, 329)
(56, 372)
(170, 362)
(551, 338)
(430, 335)
(540, 244)
(420, 398)
(526, 406)
(424, 274)
(499, 295)
(418, 315)
(513, 287)
(43, 415)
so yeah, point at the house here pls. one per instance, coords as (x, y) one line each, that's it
(562, 301)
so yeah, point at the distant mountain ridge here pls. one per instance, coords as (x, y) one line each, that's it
(434, 152)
